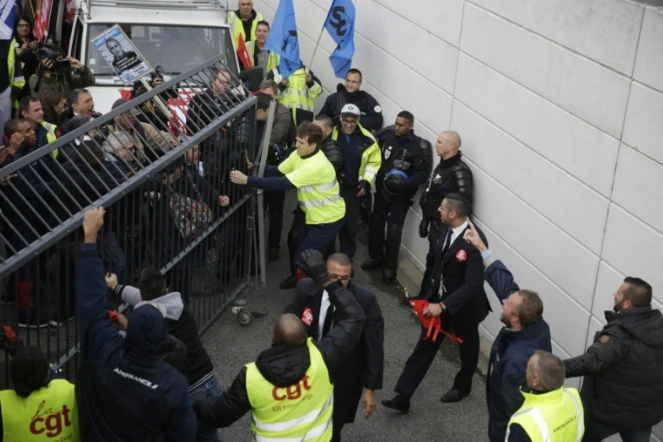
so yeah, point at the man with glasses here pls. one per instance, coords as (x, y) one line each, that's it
(363, 368)
(361, 161)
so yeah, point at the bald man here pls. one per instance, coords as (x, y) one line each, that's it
(451, 175)
(294, 378)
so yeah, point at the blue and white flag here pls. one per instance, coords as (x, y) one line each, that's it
(7, 18)
(340, 23)
(283, 38)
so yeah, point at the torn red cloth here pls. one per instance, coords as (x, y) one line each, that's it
(418, 305)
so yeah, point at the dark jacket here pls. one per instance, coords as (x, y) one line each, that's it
(410, 154)
(64, 83)
(182, 325)
(371, 112)
(450, 175)
(364, 367)
(509, 356)
(124, 392)
(462, 268)
(623, 382)
(284, 365)
(332, 151)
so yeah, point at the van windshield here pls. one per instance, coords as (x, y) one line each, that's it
(176, 49)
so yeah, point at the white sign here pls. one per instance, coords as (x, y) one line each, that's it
(121, 55)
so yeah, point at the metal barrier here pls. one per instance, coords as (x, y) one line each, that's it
(160, 166)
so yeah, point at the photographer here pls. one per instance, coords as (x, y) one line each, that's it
(56, 72)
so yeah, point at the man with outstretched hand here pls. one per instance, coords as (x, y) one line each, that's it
(289, 389)
(124, 392)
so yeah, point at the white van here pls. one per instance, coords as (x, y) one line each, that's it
(177, 35)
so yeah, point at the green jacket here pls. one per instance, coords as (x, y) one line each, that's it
(62, 82)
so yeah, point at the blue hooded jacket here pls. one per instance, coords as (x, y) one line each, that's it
(124, 392)
(508, 356)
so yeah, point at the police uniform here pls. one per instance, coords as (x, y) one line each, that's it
(556, 416)
(451, 175)
(406, 164)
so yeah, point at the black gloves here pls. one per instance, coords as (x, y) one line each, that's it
(314, 266)
(423, 228)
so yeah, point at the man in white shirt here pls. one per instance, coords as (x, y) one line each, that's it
(361, 373)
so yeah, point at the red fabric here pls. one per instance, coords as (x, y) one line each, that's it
(70, 11)
(41, 21)
(9, 333)
(243, 53)
(126, 94)
(300, 275)
(25, 298)
(418, 305)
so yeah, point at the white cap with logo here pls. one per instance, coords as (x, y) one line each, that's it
(351, 109)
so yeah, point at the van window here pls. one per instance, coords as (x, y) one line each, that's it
(176, 49)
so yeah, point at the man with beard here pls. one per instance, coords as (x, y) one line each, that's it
(525, 332)
(371, 112)
(623, 387)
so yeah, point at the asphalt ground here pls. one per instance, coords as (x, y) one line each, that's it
(231, 345)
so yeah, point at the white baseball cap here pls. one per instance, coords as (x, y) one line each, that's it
(351, 109)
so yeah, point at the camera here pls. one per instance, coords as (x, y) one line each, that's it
(56, 56)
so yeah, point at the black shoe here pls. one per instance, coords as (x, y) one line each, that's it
(289, 283)
(274, 254)
(454, 395)
(372, 264)
(388, 276)
(399, 403)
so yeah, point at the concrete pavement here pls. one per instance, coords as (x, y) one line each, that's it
(232, 345)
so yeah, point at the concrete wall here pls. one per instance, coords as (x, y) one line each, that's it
(560, 107)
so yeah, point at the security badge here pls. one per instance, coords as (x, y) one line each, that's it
(437, 179)
(387, 152)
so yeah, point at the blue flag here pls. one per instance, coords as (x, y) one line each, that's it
(7, 18)
(283, 38)
(340, 23)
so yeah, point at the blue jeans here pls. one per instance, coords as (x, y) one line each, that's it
(209, 390)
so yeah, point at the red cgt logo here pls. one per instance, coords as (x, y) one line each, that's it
(461, 256)
(307, 316)
(52, 422)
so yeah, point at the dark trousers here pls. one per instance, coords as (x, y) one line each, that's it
(336, 431)
(393, 212)
(424, 354)
(298, 223)
(347, 236)
(596, 431)
(273, 203)
(317, 237)
(437, 231)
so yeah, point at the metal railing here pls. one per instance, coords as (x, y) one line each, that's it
(160, 165)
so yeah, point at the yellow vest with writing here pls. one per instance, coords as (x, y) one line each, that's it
(318, 191)
(302, 411)
(237, 27)
(48, 414)
(297, 95)
(556, 416)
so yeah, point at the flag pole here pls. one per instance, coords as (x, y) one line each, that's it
(317, 43)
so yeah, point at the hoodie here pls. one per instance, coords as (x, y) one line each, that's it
(623, 383)
(124, 392)
(284, 365)
(371, 112)
(181, 325)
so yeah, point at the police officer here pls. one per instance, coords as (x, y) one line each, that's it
(550, 412)
(310, 172)
(289, 389)
(361, 162)
(333, 153)
(450, 175)
(350, 93)
(406, 164)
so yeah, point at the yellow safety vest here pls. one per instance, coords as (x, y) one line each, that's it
(18, 82)
(50, 135)
(302, 411)
(371, 158)
(237, 27)
(273, 60)
(556, 416)
(318, 191)
(48, 414)
(297, 95)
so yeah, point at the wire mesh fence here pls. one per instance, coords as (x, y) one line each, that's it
(160, 165)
